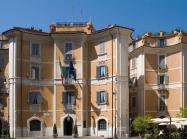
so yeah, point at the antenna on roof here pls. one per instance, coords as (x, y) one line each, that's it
(81, 16)
(72, 11)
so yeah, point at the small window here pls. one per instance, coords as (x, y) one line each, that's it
(68, 98)
(162, 102)
(35, 72)
(102, 48)
(35, 51)
(162, 43)
(102, 97)
(68, 50)
(163, 79)
(35, 98)
(102, 124)
(102, 71)
(35, 125)
(162, 60)
(1, 102)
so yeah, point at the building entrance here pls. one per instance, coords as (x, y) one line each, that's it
(68, 126)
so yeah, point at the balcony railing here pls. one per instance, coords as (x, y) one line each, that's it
(162, 86)
(162, 68)
(68, 81)
(69, 107)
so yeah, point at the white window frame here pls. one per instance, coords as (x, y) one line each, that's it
(133, 63)
(70, 52)
(102, 46)
(106, 97)
(31, 45)
(35, 107)
(159, 102)
(165, 79)
(106, 71)
(65, 104)
(31, 73)
(164, 59)
(159, 44)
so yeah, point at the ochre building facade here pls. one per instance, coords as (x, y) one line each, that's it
(74, 77)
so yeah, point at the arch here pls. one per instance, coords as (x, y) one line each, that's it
(62, 122)
(68, 126)
(35, 126)
(102, 132)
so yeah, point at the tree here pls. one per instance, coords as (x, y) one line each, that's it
(141, 124)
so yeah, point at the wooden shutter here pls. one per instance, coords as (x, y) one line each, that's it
(106, 95)
(64, 98)
(98, 98)
(98, 75)
(166, 78)
(106, 70)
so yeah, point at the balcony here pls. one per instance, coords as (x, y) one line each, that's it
(162, 87)
(162, 68)
(68, 81)
(69, 107)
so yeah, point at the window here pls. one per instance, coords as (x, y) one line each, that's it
(102, 71)
(102, 48)
(133, 63)
(35, 125)
(68, 50)
(162, 60)
(162, 43)
(35, 50)
(102, 124)
(163, 79)
(102, 97)
(68, 98)
(35, 98)
(133, 99)
(35, 70)
(1, 102)
(162, 102)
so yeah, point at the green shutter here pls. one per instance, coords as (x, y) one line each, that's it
(106, 95)
(106, 71)
(64, 98)
(98, 72)
(98, 98)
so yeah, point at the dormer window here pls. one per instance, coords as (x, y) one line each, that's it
(162, 43)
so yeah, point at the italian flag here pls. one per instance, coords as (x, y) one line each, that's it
(62, 70)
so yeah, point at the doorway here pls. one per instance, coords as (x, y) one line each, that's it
(68, 126)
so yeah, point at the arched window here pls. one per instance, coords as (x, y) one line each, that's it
(35, 125)
(102, 124)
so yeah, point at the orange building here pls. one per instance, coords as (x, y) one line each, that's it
(157, 74)
(74, 77)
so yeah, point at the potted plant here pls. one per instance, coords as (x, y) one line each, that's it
(55, 134)
(75, 131)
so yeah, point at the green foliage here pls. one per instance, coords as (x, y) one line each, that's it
(175, 135)
(141, 124)
(183, 112)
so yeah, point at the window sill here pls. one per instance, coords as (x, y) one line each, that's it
(101, 78)
(105, 103)
(102, 54)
